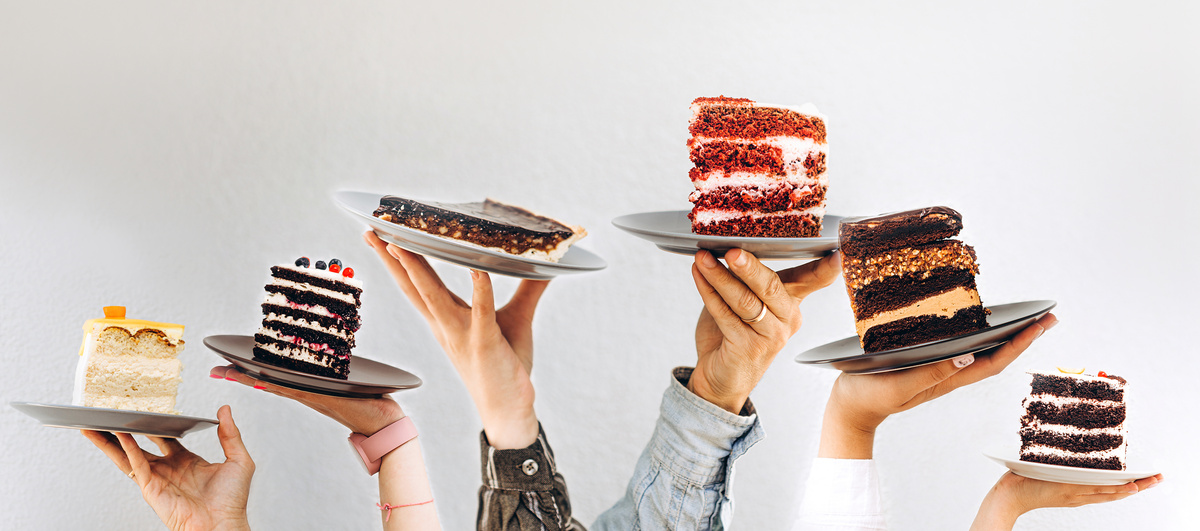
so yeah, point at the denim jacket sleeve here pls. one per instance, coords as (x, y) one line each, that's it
(682, 479)
(522, 490)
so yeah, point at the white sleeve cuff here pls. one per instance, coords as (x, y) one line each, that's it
(841, 495)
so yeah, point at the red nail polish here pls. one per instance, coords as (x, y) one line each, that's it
(217, 376)
(231, 379)
(256, 386)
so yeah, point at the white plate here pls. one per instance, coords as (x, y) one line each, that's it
(1005, 321)
(113, 420)
(363, 204)
(1064, 474)
(671, 231)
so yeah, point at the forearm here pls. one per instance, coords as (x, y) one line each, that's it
(843, 439)
(404, 481)
(997, 512)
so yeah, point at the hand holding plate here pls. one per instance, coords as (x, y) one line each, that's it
(1015, 495)
(187, 492)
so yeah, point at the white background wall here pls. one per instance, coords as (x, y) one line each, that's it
(162, 155)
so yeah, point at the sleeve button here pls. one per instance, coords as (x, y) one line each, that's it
(529, 467)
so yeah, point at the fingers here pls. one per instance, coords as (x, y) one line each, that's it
(803, 280)
(524, 301)
(167, 446)
(108, 444)
(137, 458)
(727, 321)
(483, 302)
(735, 295)
(762, 281)
(231, 438)
(232, 374)
(437, 298)
(396, 269)
(921, 384)
(992, 364)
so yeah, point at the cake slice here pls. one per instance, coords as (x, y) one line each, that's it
(759, 169)
(489, 224)
(310, 316)
(1075, 419)
(907, 283)
(129, 364)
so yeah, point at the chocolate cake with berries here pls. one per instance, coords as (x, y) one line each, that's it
(759, 169)
(908, 283)
(1075, 419)
(310, 316)
(489, 224)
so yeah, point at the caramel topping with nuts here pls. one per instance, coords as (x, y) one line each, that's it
(861, 271)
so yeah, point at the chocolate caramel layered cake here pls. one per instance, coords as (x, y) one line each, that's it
(759, 169)
(129, 363)
(907, 282)
(1075, 419)
(489, 224)
(309, 318)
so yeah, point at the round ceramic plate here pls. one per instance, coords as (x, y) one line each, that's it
(367, 379)
(1006, 320)
(1065, 474)
(113, 420)
(362, 204)
(671, 231)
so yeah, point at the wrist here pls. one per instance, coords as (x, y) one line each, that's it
(235, 524)
(844, 438)
(386, 416)
(510, 432)
(999, 510)
(731, 402)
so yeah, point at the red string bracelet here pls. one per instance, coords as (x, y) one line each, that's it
(388, 508)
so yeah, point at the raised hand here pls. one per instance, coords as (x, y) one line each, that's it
(859, 403)
(491, 349)
(187, 492)
(749, 314)
(1015, 495)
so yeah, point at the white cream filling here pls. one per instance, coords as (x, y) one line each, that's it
(274, 334)
(284, 283)
(279, 299)
(311, 325)
(1060, 429)
(705, 217)
(1038, 449)
(719, 179)
(298, 354)
(793, 151)
(1061, 401)
(940, 305)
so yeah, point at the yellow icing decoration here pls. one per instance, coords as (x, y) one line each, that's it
(1066, 370)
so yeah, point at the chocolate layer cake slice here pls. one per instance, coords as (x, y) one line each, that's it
(489, 224)
(759, 168)
(907, 283)
(1075, 419)
(310, 316)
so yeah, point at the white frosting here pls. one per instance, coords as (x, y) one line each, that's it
(298, 354)
(718, 179)
(284, 283)
(793, 150)
(1038, 449)
(275, 334)
(279, 300)
(1061, 401)
(311, 325)
(704, 217)
(325, 274)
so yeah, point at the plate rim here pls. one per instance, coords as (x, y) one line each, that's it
(194, 424)
(419, 235)
(384, 389)
(710, 237)
(996, 455)
(1052, 304)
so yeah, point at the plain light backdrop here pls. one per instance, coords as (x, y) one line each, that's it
(162, 155)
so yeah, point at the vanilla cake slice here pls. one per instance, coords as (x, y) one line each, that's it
(129, 364)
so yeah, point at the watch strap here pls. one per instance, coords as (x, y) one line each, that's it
(372, 449)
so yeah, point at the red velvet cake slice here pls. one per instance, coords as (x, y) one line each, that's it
(759, 169)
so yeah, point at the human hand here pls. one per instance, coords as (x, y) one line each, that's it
(858, 403)
(185, 491)
(361, 415)
(732, 352)
(1014, 495)
(491, 349)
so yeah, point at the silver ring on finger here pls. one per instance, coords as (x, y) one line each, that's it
(761, 315)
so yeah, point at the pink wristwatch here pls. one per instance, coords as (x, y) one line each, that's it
(372, 449)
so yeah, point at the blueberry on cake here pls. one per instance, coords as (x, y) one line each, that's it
(908, 283)
(1075, 419)
(309, 318)
(129, 364)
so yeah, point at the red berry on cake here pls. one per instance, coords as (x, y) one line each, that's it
(348, 272)
(334, 268)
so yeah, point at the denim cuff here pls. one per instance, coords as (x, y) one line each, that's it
(696, 440)
(525, 469)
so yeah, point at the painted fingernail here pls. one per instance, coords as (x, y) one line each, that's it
(231, 379)
(256, 386)
(963, 361)
(707, 259)
(217, 376)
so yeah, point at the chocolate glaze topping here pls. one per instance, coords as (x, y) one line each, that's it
(487, 210)
(904, 214)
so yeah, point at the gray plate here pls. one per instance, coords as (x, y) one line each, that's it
(672, 231)
(368, 379)
(1005, 321)
(113, 420)
(362, 204)
(1010, 457)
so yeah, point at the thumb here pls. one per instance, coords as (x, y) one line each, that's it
(231, 438)
(524, 301)
(802, 281)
